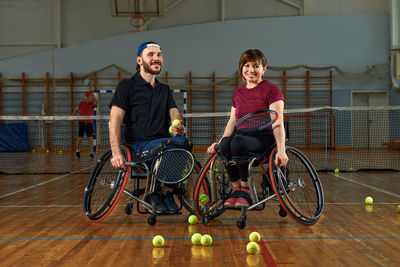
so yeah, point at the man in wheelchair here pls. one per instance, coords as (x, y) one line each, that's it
(254, 95)
(146, 107)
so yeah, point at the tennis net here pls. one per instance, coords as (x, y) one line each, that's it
(345, 138)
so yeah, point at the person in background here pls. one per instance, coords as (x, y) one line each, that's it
(86, 108)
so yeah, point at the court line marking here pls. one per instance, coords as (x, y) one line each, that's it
(33, 186)
(365, 185)
(216, 238)
(376, 179)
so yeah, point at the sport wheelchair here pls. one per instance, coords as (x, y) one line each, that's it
(106, 184)
(296, 186)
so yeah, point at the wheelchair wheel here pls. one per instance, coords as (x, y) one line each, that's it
(189, 186)
(214, 182)
(297, 187)
(105, 187)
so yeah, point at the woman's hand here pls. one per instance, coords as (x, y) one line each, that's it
(281, 159)
(211, 149)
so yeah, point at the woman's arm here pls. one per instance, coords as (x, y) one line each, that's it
(279, 133)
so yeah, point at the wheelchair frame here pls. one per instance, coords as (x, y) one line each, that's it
(280, 188)
(109, 184)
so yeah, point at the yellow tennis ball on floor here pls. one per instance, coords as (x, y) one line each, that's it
(203, 198)
(398, 208)
(255, 237)
(336, 170)
(192, 219)
(369, 200)
(206, 240)
(176, 122)
(158, 241)
(252, 248)
(196, 239)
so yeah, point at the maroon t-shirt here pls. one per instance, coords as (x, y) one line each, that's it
(258, 98)
(86, 109)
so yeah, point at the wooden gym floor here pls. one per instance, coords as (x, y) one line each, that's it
(42, 224)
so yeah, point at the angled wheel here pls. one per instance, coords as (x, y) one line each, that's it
(189, 186)
(105, 187)
(214, 182)
(297, 187)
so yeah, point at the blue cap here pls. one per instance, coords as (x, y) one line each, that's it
(145, 45)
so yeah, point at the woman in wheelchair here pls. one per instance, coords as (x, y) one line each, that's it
(255, 94)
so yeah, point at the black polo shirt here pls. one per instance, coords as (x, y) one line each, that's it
(146, 108)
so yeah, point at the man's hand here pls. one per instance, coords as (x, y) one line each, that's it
(118, 161)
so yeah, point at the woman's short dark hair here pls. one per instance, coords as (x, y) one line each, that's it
(251, 55)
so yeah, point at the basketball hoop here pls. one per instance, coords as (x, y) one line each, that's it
(137, 20)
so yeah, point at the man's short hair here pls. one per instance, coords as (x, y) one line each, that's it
(143, 47)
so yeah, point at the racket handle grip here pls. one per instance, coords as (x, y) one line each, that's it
(130, 164)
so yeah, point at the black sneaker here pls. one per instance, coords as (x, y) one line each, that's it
(78, 154)
(154, 197)
(169, 201)
(91, 155)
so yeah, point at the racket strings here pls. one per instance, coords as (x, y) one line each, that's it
(254, 122)
(173, 166)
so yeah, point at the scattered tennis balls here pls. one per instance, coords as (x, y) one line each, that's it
(158, 241)
(176, 122)
(192, 219)
(206, 240)
(369, 200)
(203, 198)
(255, 237)
(398, 208)
(196, 239)
(336, 170)
(170, 130)
(252, 248)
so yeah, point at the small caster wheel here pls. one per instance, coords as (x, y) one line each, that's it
(129, 208)
(152, 220)
(241, 224)
(205, 221)
(282, 212)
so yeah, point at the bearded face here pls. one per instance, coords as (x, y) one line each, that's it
(151, 60)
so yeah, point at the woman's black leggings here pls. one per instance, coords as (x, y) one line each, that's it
(240, 148)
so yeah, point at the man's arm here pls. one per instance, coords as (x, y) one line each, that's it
(75, 111)
(174, 114)
(116, 116)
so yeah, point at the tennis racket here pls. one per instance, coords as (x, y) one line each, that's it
(173, 166)
(255, 122)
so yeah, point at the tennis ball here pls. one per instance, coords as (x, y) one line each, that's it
(59, 151)
(206, 240)
(203, 198)
(33, 150)
(47, 151)
(336, 170)
(398, 208)
(158, 241)
(192, 219)
(369, 200)
(176, 122)
(351, 169)
(253, 260)
(170, 130)
(255, 237)
(196, 239)
(252, 248)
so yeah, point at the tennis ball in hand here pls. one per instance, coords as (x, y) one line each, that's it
(176, 122)
(170, 130)
(206, 240)
(158, 241)
(203, 198)
(192, 219)
(252, 248)
(369, 200)
(196, 239)
(255, 237)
